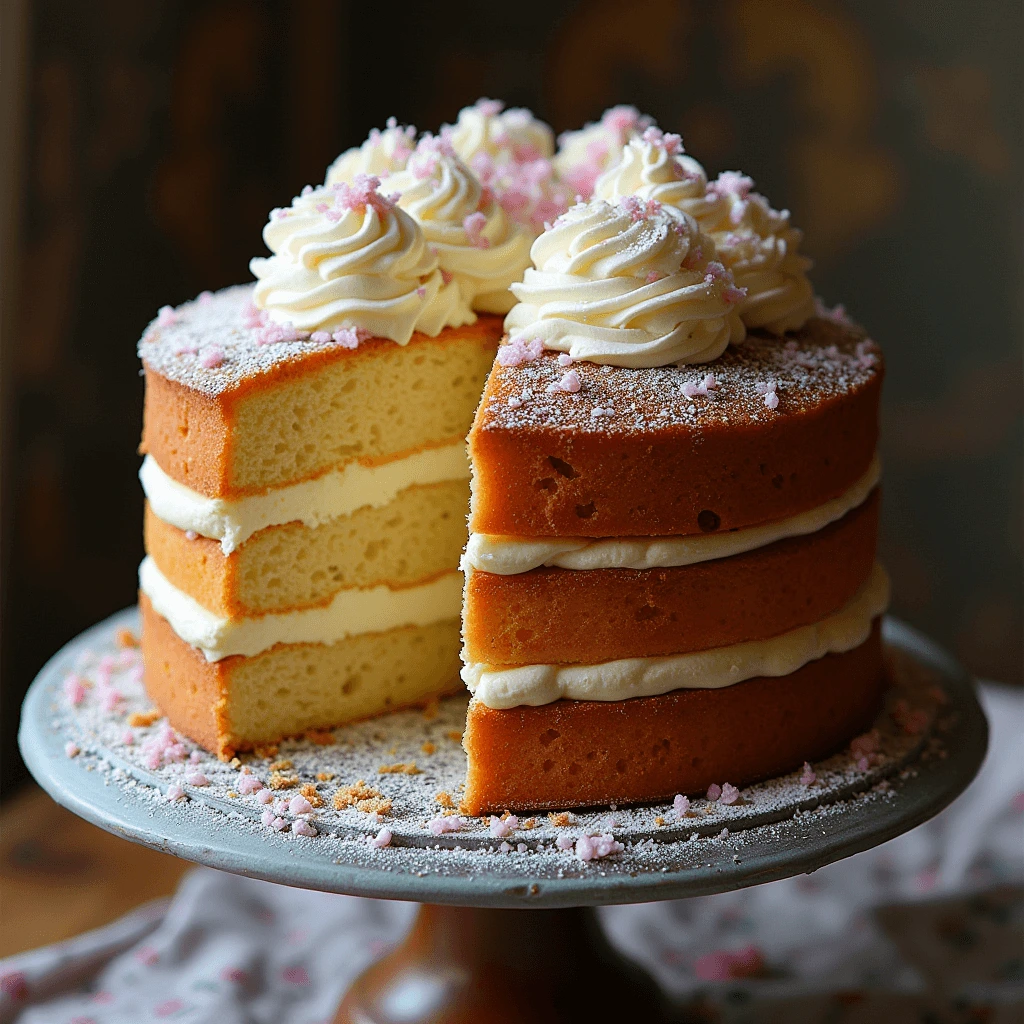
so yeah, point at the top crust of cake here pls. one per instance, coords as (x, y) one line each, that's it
(773, 427)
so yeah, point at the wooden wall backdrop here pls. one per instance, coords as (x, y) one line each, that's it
(159, 134)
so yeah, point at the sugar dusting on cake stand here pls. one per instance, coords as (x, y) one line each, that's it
(372, 809)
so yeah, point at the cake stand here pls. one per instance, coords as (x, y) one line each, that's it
(505, 932)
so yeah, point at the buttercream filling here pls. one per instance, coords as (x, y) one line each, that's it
(723, 666)
(311, 502)
(351, 612)
(506, 556)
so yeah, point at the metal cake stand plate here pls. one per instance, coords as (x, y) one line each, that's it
(90, 738)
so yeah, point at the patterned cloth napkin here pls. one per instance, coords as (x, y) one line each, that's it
(926, 928)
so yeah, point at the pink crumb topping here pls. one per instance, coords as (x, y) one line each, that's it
(731, 183)
(473, 225)
(505, 848)
(518, 351)
(212, 358)
(714, 792)
(320, 337)
(681, 805)
(564, 359)
(807, 776)
(362, 193)
(249, 784)
(303, 828)
(502, 827)
(771, 400)
(175, 793)
(730, 794)
(350, 337)
(128, 738)
(442, 824)
(197, 779)
(71, 749)
(654, 275)
(594, 847)
(74, 689)
(205, 298)
(381, 839)
(638, 209)
(264, 796)
(166, 316)
(300, 805)
(570, 382)
(565, 843)
(668, 141)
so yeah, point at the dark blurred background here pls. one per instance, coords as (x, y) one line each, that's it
(145, 143)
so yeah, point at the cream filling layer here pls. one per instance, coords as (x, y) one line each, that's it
(311, 502)
(506, 556)
(351, 612)
(647, 677)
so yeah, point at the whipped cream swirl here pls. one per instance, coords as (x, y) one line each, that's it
(584, 154)
(487, 127)
(629, 285)
(476, 244)
(344, 256)
(383, 153)
(762, 249)
(654, 166)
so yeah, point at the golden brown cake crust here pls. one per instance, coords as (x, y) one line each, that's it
(586, 753)
(558, 616)
(630, 455)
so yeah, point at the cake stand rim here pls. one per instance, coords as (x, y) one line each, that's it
(933, 786)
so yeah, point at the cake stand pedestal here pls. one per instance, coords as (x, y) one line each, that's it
(503, 938)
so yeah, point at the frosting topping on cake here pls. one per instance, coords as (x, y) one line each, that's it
(487, 127)
(627, 285)
(473, 238)
(654, 166)
(584, 154)
(762, 249)
(345, 256)
(383, 153)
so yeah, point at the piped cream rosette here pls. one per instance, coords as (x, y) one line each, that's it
(477, 246)
(345, 256)
(382, 154)
(630, 285)
(487, 127)
(654, 166)
(583, 155)
(762, 249)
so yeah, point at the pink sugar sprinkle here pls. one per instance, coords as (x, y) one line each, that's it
(212, 358)
(441, 824)
(690, 390)
(109, 698)
(71, 749)
(505, 848)
(205, 298)
(197, 779)
(565, 843)
(570, 382)
(518, 351)
(303, 828)
(714, 791)
(715, 271)
(166, 316)
(249, 784)
(681, 805)
(281, 805)
(191, 535)
(300, 805)
(500, 828)
(771, 400)
(473, 225)
(128, 738)
(638, 209)
(709, 383)
(668, 141)
(489, 108)
(594, 847)
(381, 839)
(278, 824)
(175, 792)
(732, 294)
(195, 757)
(564, 359)
(731, 183)
(74, 689)
(807, 776)
(863, 764)
(654, 275)
(730, 794)
(350, 337)
(264, 796)
(320, 337)
(362, 193)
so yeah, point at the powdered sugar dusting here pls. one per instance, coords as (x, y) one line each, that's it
(764, 378)
(216, 342)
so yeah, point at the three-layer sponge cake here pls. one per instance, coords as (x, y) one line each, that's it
(671, 576)
(305, 514)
